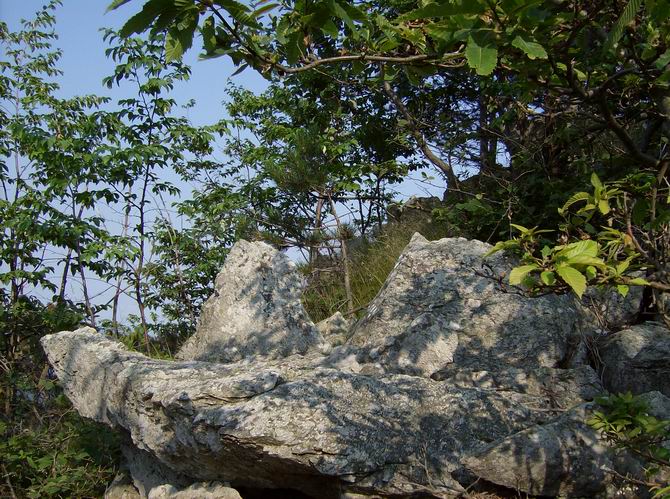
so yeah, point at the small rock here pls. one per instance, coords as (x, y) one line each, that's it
(637, 359)
(201, 490)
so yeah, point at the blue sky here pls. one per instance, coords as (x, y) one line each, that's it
(85, 65)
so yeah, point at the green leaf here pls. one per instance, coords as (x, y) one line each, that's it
(264, 9)
(604, 206)
(575, 198)
(579, 248)
(239, 70)
(628, 15)
(586, 260)
(518, 273)
(116, 4)
(573, 278)
(638, 281)
(663, 60)
(481, 54)
(622, 289)
(520, 228)
(532, 49)
(445, 9)
(208, 34)
(548, 278)
(595, 182)
(342, 13)
(143, 19)
(329, 28)
(238, 11)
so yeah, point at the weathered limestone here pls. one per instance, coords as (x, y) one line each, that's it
(445, 308)
(255, 312)
(637, 359)
(451, 379)
(565, 458)
(613, 310)
(335, 329)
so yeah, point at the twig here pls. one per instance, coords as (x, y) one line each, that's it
(8, 482)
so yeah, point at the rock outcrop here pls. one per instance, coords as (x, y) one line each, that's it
(637, 359)
(255, 312)
(445, 308)
(451, 380)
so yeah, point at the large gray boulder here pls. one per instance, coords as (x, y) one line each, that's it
(289, 424)
(637, 359)
(564, 458)
(255, 311)
(445, 307)
(202, 490)
(451, 379)
(612, 310)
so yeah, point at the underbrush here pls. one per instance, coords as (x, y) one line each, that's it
(48, 450)
(371, 261)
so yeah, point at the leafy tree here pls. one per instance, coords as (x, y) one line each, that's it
(146, 142)
(569, 88)
(49, 177)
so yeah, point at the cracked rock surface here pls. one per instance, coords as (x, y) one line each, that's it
(446, 373)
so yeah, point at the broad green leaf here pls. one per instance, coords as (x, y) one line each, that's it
(532, 49)
(440, 32)
(604, 206)
(573, 278)
(238, 11)
(518, 273)
(481, 54)
(208, 34)
(621, 267)
(329, 28)
(520, 228)
(638, 281)
(293, 47)
(622, 289)
(575, 198)
(628, 15)
(143, 19)
(548, 277)
(663, 60)
(579, 248)
(178, 41)
(586, 260)
(342, 13)
(595, 182)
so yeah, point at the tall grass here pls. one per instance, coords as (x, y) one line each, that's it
(371, 263)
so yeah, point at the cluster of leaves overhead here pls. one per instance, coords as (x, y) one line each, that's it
(295, 36)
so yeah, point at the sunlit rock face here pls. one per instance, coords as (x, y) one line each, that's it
(426, 395)
(255, 311)
(445, 307)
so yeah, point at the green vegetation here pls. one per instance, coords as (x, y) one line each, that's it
(625, 421)
(371, 263)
